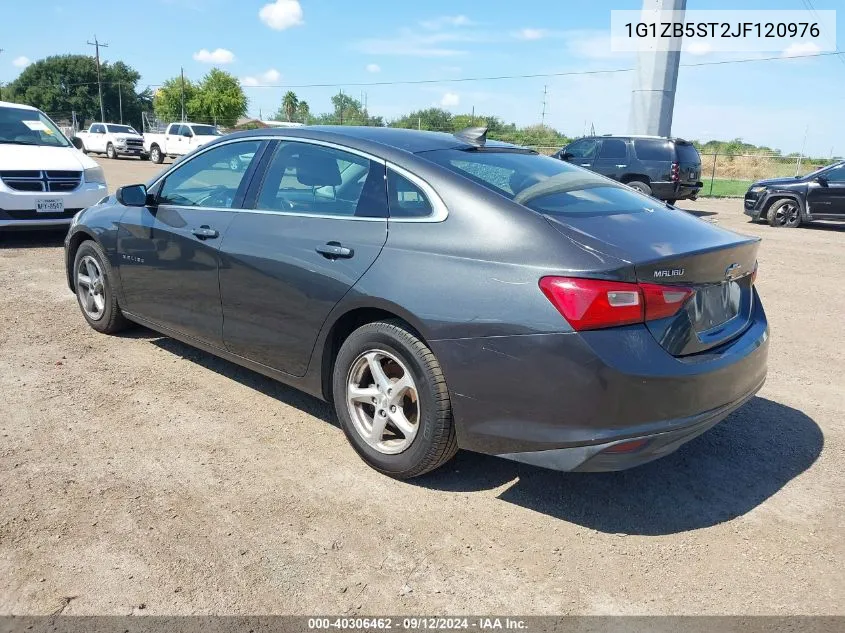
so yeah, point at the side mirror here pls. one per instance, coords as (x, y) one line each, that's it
(77, 143)
(821, 180)
(187, 134)
(132, 196)
(566, 156)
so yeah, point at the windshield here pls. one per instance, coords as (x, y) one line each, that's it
(687, 153)
(205, 130)
(121, 129)
(29, 127)
(540, 183)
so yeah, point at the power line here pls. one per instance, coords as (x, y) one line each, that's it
(808, 4)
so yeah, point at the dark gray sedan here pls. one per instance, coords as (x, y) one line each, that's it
(442, 291)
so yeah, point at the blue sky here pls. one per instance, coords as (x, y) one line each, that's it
(325, 41)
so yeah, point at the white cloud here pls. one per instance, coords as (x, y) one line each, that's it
(697, 48)
(281, 14)
(409, 43)
(800, 49)
(532, 34)
(21, 62)
(217, 56)
(446, 20)
(373, 68)
(270, 76)
(450, 99)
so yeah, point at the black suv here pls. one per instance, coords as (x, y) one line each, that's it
(666, 168)
(819, 195)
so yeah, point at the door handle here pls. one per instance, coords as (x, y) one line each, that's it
(335, 250)
(621, 166)
(205, 232)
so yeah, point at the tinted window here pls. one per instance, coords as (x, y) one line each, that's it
(540, 182)
(836, 174)
(405, 199)
(173, 129)
(585, 148)
(613, 148)
(209, 179)
(202, 130)
(687, 153)
(97, 129)
(314, 179)
(654, 149)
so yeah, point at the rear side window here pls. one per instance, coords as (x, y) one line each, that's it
(687, 153)
(319, 180)
(405, 199)
(654, 149)
(541, 183)
(613, 148)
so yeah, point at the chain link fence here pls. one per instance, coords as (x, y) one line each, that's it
(730, 175)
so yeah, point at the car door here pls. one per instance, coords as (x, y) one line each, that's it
(311, 229)
(172, 138)
(169, 253)
(612, 158)
(582, 152)
(826, 196)
(98, 138)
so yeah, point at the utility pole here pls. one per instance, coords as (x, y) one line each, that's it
(472, 119)
(656, 78)
(1, 85)
(543, 116)
(97, 44)
(182, 74)
(341, 106)
(120, 101)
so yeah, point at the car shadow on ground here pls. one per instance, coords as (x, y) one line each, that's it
(697, 213)
(267, 386)
(718, 476)
(32, 239)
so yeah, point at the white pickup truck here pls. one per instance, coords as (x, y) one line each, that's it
(113, 140)
(178, 139)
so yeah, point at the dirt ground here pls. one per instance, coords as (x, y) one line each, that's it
(139, 475)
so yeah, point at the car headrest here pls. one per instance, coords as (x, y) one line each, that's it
(317, 169)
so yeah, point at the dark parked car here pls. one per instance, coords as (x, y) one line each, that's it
(666, 168)
(441, 291)
(788, 202)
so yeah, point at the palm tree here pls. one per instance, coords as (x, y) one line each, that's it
(290, 102)
(303, 112)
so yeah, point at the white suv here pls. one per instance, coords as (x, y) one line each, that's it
(44, 179)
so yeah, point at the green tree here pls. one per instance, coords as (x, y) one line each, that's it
(428, 119)
(290, 103)
(167, 101)
(63, 84)
(219, 99)
(348, 111)
(303, 112)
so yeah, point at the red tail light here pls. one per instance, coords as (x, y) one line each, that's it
(591, 304)
(754, 274)
(676, 172)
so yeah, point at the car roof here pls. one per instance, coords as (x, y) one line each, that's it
(413, 141)
(672, 139)
(21, 106)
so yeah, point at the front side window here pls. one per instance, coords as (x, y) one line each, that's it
(541, 183)
(585, 148)
(837, 174)
(613, 148)
(209, 179)
(319, 180)
(29, 127)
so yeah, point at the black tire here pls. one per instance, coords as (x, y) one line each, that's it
(156, 155)
(639, 186)
(111, 320)
(110, 153)
(785, 213)
(434, 443)
(144, 156)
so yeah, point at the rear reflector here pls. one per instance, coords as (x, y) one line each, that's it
(591, 304)
(626, 447)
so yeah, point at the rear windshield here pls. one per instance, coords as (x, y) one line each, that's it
(541, 183)
(687, 153)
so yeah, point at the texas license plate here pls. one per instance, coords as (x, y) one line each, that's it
(49, 205)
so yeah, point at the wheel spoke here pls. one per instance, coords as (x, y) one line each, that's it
(374, 363)
(99, 302)
(362, 394)
(377, 430)
(399, 388)
(92, 271)
(403, 424)
(89, 301)
(85, 280)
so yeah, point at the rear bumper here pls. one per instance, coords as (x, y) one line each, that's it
(675, 191)
(560, 400)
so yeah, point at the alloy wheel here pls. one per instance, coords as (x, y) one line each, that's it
(90, 288)
(787, 214)
(383, 402)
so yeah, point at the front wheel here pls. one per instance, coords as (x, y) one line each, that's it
(785, 213)
(93, 279)
(391, 399)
